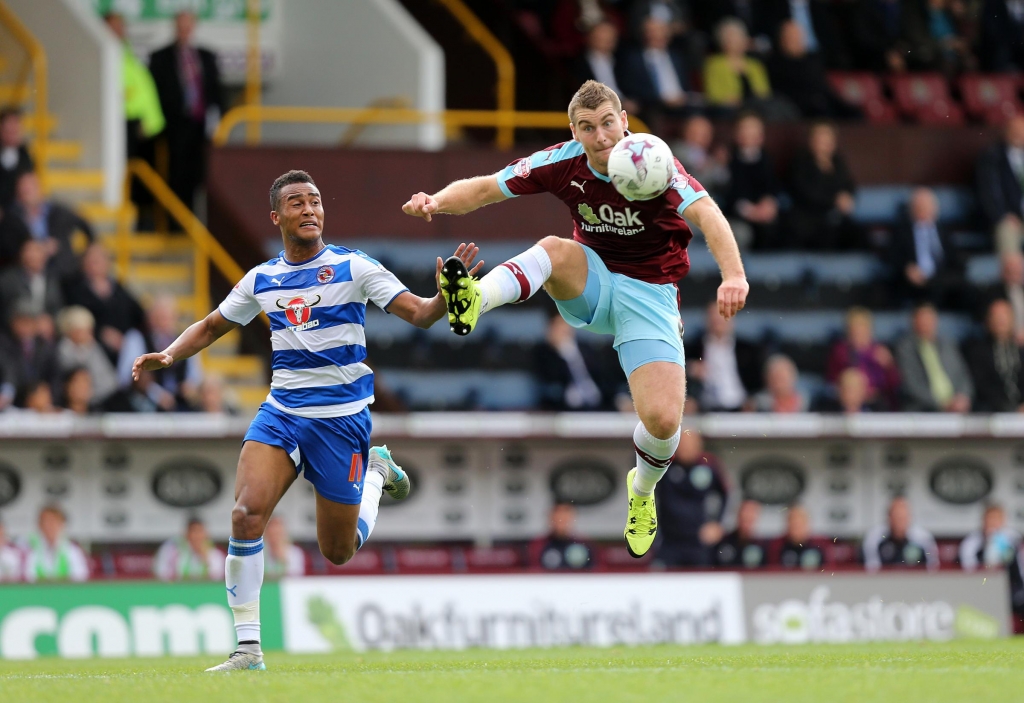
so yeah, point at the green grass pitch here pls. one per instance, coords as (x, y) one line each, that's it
(991, 672)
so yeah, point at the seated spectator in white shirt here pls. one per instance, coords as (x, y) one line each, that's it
(281, 556)
(12, 560)
(78, 348)
(50, 555)
(900, 543)
(192, 557)
(723, 370)
(993, 545)
(781, 394)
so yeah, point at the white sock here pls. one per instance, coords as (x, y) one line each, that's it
(243, 577)
(515, 280)
(653, 457)
(373, 487)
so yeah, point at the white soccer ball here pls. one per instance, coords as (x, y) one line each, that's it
(641, 167)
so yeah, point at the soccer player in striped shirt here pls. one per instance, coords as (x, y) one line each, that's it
(316, 419)
(617, 275)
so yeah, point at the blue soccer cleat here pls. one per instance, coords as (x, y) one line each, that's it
(396, 482)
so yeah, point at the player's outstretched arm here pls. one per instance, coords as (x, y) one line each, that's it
(424, 312)
(456, 198)
(197, 337)
(732, 294)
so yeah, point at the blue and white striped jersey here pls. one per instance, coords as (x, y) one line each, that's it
(317, 309)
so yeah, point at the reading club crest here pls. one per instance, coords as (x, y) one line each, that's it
(324, 274)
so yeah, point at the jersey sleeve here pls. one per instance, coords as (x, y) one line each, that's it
(684, 190)
(379, 285)
(525, 176)
(241, 305)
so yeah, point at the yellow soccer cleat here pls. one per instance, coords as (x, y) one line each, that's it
(642, 521)
(461, 295)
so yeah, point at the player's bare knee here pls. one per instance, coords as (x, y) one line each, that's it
(662, 422)
(338, 553)
(558, 250)
(245, 524)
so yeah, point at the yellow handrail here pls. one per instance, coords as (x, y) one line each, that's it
(503, 63)
(207, 248)
(37, 57)
(384, 115)
(253, 79)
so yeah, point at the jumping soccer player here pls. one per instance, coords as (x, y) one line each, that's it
(315, 419)
(616, 276)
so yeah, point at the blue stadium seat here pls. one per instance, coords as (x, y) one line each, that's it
(882, 204)
(488, 390)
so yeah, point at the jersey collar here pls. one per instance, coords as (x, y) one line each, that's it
(300, 263)
(600, 176)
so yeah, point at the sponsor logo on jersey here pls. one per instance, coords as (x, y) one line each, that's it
(579, 185)
(325, 274)
(298, 312)
(680, 181)
(522, 168)
(625, 223)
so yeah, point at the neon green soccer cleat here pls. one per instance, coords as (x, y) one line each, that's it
(396, 481)
(461, 295)
(642, 521)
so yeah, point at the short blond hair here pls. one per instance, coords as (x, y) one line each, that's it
(591, 96)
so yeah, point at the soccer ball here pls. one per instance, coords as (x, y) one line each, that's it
(641, 167)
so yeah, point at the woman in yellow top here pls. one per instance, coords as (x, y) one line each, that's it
(731, 78)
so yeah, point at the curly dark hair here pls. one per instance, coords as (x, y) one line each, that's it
(287, 179)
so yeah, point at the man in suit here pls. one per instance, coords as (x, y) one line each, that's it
(722, 371)
(27, 357)
(656, 75)
(928, 267)
(32, 216)
(599, 61)
(997, 363)
(1001, 43)
(31, 280)
(14, 156)
(188, 83)
(569, 374)
(817, 23)
(933, 375)
(1000, 184)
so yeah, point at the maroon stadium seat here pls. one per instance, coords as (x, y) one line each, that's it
(991, 98)
(496, 558)
(424, 559)
(925, 98)
(863, 90)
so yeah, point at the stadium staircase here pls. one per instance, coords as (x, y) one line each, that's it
(150, 264)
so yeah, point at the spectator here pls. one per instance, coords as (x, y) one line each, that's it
(567, 373)
(26, 356)
(58, 228)
(797, 549)
(191, 557)
(181, 381)
(993, 546)
(599, 62)
(723, 369)
(115, 310)
(933, 373)
(142, 395)
(997, 363)
(78, 348)
(731, 78)
(673, 13)
(30, 280)
(39, 400)
(822, 190)
(741, 548)
(1011, 273)
(14, 156)
(927, 264)
(711, 13)
(571, 20)
(691, 502)
(860, 350)
(78, 395)
(11, 559)
(817, 24)
(282, 557)
(781, 394)
(890, 34)
(656, 74)
(1000, 184)
(798, 75)
(945, 47)
(211, 396)
(851, 394)
(188, 83)
(143, 115)
(50, 555)
(561, 550)
(753, 198)
(707, 163)
(900, 543)
(1002, 35)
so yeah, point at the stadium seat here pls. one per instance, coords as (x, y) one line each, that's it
(492, 558)
(925, 98)
(423, 560)
(990, 98)
(863, 90)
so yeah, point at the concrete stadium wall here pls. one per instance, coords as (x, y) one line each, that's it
(84, 83)
(350, 53)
